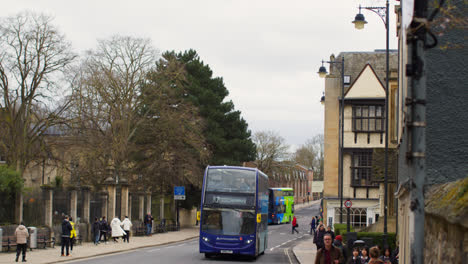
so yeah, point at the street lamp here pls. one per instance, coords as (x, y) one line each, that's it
(322, 73)
(359, 22)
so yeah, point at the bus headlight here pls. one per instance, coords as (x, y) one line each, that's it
(205, 239)
(249, 241)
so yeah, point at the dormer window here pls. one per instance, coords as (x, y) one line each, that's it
(347, 79)
(368, 118)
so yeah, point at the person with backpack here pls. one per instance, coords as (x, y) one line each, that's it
(318, 238)
(72, 234)
(66, 233)
(104, 228)
(96, 230)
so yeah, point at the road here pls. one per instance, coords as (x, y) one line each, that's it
(280, 244)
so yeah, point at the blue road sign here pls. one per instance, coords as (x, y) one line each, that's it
(179, 193)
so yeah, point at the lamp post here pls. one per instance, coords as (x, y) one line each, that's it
(322, 73)
(359, 22)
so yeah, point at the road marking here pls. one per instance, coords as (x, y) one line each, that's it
(152, 250)
(181, 244)
(169, 247)
(287, 254)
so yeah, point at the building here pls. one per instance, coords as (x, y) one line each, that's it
(364, 135)
(287, 174)
(445, 142)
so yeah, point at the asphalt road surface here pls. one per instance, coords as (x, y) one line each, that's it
(280, 244)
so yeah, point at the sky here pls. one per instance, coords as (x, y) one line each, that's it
(267, 51)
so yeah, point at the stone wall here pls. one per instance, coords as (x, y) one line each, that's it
(444, 242)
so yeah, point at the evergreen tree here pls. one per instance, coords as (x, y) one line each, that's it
(226, 131)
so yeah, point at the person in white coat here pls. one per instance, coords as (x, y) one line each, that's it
(117, 230)
(127, 225)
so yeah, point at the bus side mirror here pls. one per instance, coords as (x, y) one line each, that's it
(198, 215)
(259, 218)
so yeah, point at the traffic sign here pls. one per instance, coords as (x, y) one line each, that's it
(348, 203)
(179, 193)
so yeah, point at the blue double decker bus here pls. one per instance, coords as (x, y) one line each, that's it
(234, 211)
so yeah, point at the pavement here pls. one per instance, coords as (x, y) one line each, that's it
(304, 251)
(88, 249)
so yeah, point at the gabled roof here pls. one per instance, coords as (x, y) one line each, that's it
(366, 85)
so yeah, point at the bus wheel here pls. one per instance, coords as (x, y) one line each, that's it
(208, 255)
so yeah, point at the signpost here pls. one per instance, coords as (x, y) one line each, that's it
(348, 205)
(179, 194)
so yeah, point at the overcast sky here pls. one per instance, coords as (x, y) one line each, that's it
(267, 51)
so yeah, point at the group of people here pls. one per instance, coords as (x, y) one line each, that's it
(330, 249)
(117, 229)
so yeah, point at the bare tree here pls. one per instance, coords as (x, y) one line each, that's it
(33, 55)
(271, 147)
(106, 94)
(310, 154)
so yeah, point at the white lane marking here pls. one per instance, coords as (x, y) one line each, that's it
(181, 244)
(152, 250)
(169, 247)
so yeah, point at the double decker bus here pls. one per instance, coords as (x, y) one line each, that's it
(234, 211)
(281, 205)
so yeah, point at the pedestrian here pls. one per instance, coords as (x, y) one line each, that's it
(104, 228)
(364, 255)
(66, 232)
(294, 225)
(318, 238)
(374, 253)
(328, 254)
(96, 229)
(395, 254)
(21, 234)
(386, 257)
(116, 229)
(313, 225)
(329, 231)
(338, 243)
(355, 259)
(127, 225)
(148, 221)
(72, 234)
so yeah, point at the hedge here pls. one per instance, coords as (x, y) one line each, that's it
(340, 229)
(376, 238)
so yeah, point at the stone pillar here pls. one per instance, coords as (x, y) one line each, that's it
(112, 193)
(148, 203)
(19, 207)
(48, 205)
(161, 207)
(73, 203)
(124, 201)
(141, 208)
(86, 205)
(104, 204)
(129, 206)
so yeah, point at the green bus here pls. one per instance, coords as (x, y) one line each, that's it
(280, 205)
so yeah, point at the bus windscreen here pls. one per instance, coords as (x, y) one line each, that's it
(230, 180)
(229, 222)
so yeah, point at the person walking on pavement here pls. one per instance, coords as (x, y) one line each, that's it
(328, 254)
(355, 259)
(116, 228)
(294, 225)
(313, 225)
(148, 223)
(96, 230)
(318, 238)
(329, 231)
(338, 243)
(104, 228)
(374, 256)
(127, 225)
(21, 234)
(72, 234)
(66, 232)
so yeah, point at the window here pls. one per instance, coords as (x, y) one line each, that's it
(368, 118)
(361, 169)
(358, 216)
